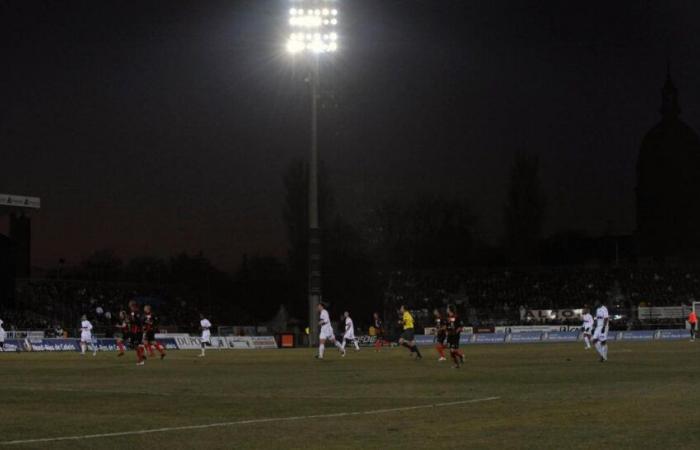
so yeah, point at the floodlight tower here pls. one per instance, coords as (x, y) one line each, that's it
(313, 35)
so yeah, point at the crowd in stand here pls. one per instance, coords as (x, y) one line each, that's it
(483, 297)
(504, 297)
(55, 305)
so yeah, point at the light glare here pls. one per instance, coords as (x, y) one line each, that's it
(312, 30)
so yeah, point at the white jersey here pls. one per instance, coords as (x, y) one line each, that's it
(587, 321)
(85, 331)
(326, 328)
(206, 333)
(600, 315)
(601, 330)
(2, 332)
(349, 329)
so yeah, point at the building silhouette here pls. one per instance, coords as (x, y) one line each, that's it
(668, 184)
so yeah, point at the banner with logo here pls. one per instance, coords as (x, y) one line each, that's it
(525, 337)
(553, 314)
(562, 336)
(490, 338)
(531, 328)
(643, 335)
(672, 334)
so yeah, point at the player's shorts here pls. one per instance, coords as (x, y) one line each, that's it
(453, 342)
(349, 336)
(408, 335)
(441, 337)
(587, 330)
(600, 334)
(206, 336)
(150, 336)
(135, 339)
(326, 332)
(85, 337)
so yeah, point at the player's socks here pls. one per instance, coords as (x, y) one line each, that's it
(160, 349)
(415, 349)
(599, 349)
(587, 341)
(321, 349)
(342, 346)
(357, 346)
(120, 346)
(83, 348)
(605, 351)
(441, 350)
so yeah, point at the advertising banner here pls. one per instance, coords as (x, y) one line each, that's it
(672, 334)
(525, 337)
(644, 335)
(491, 338)
(366, 340)
(263, 342)
(553, 314)
(562, 336)
(530, 328)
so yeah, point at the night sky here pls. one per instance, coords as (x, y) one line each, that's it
(152, 127)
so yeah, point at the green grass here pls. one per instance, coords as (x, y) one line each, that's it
(550, 396)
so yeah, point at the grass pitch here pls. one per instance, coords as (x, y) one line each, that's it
(549, 396)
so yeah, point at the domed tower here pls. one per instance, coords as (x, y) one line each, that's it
(668, 184)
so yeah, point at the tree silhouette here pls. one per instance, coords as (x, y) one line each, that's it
(524, 209)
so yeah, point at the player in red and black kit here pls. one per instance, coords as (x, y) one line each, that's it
(136, 332)
(149, 332)
(440, 334)
(454, 328)
(122, 333)
(379, 332)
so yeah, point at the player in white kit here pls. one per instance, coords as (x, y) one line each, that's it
(600, 336)
(326, 333)
(86, 336)
(587, 327)
(349, 333)
(205, 325)
(2, 335)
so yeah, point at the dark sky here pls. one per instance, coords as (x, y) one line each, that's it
(152, 127)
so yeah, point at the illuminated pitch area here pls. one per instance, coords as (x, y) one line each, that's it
(507, 396)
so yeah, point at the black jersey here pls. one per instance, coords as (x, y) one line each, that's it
(454, 329)
(135, 322)
(440, 328)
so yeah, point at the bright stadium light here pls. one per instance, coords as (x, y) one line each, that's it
(318, 19)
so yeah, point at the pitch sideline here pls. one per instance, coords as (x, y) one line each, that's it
(248, 422)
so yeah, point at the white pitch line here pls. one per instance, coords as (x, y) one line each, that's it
(249, 422)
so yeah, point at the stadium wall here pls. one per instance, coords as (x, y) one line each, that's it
(186, 342)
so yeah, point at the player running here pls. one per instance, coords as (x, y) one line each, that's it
(136, 332)
(326, 333)
(2, 335)
(600, 336)
(205, 325)
(122, 334)
(408, 338)
(440, 334)
(349, 334)
(86, 336)
(587, 327)
(378, 331)
(692, 321)
(149, 332)
(454, 330)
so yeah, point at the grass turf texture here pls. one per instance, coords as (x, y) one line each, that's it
(551, 396)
